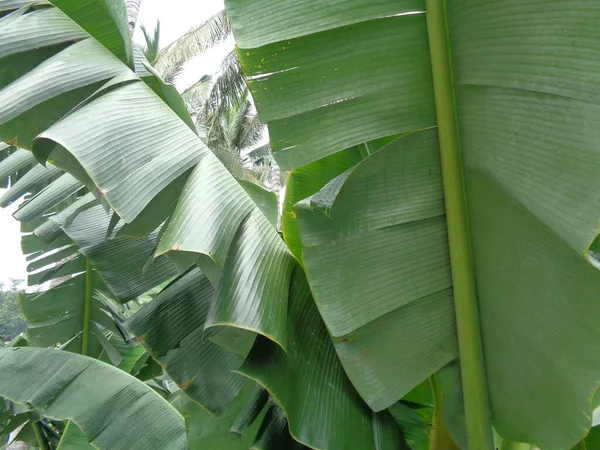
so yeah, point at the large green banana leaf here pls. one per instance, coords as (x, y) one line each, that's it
(224, 227)
(373, 239)
(64, 236)
(113, 409)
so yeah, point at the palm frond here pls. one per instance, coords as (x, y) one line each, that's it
(260, 156)
(251, 132)
(197, 40)
(133, 10)
(170, 73)
(236, 120)
(195, 96)
(229, 86)
(152, 45)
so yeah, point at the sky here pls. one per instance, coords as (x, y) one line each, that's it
(12, 262)
(176, 17)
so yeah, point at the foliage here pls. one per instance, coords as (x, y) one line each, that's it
(369, 297)
(152, 47)
(220, 106)
(12, 322)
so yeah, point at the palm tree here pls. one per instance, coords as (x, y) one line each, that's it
(214, 104)
(388, 302)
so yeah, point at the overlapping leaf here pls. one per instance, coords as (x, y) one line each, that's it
(172, 326)
(207, 431)
(127, 146)
(332, 106)
(311, 365)
(48, 198)
(526, 109)
(113, 409)
(381, 276)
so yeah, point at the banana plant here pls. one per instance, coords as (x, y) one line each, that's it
(77, 312)
(74, 44)
(471, 232)
(439, 224)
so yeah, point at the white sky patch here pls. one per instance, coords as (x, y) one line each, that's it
(12, 261)
(176, 17)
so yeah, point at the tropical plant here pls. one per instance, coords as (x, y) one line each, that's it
(199, 39)
(221, 106)
(407, 282)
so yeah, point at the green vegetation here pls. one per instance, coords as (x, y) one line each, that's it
(430, 284)
(12, 322)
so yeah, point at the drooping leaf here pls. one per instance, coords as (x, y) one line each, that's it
(54, 91)
(73, 439)
(310, 365)
(37, 178)
(241, 241)
(380, 276)
(113, 409)
(172, 327)
(121, 262)
(46, 30)
(147, 117)
(105, 20)
(150, 147)
(207, 431)
(20, 159)
(57, 315)
(49, 197)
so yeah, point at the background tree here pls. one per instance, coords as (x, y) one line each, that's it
(220, 105)
(12, 321)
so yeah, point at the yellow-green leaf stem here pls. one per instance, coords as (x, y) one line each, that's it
(511, 445)
(476, 399)
(39, 435)
(440, 438)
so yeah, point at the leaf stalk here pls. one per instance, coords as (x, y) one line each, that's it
(477, 410)
(39, 435)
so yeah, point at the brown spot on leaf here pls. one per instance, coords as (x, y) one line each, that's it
(187, 384)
